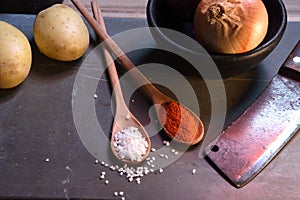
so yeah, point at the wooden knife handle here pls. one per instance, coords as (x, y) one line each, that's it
(291, 66)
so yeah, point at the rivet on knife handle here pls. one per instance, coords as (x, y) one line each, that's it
(291, 66)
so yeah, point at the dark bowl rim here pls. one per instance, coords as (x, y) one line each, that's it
(261, 47)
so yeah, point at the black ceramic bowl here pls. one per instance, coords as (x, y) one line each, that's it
(158, 16)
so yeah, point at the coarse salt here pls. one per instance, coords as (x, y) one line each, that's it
(167, 143)
(130, 144)
(194, 171)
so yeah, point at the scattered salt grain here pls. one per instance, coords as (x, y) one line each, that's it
(68, 168)
(121, 193)
(106, 182)
(96, 161)
(194, 171)
(153, 149)
(47, 160)
(161, 170)
(167, 143)
(95, 96)
(116, 193)
(138, 180)
(165, 156)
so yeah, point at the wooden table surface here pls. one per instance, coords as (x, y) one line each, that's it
(136, 8)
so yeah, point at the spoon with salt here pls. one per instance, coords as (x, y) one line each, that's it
(130, 142)
(179, 122)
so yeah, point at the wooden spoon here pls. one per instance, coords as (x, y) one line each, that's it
(123, 117)
(190, 137)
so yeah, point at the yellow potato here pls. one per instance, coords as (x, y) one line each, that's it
(60, 33)
(15, 56)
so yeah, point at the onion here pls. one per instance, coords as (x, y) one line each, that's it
(230, 26)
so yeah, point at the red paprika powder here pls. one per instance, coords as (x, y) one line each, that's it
(180, 124)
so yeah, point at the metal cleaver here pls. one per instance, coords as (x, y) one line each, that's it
(245, 147)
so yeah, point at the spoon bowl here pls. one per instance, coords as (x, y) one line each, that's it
(179, 122)
(188, 124)
(123, 121)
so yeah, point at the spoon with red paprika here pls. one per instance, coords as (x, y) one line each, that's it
(179, 122)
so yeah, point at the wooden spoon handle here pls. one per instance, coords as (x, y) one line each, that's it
(152, 92)
(121, 106)
(111, 67)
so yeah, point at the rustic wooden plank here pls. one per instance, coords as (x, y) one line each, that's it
(137, 8)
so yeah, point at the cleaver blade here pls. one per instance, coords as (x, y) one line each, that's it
(245, 147)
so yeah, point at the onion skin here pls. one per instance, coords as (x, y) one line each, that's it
(230, 26)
